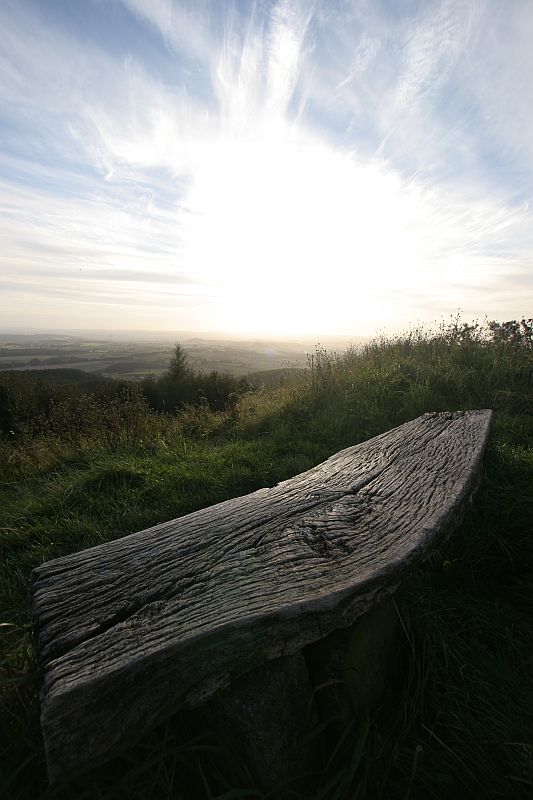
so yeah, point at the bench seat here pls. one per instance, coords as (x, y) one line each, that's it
(130, 631)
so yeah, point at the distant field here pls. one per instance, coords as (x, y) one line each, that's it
(21, 358)
(133, 360)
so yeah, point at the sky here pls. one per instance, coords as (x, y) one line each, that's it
(301, 166)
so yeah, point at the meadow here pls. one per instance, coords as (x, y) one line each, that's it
(456, 721)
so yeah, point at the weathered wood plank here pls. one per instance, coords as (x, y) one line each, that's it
(131, 630)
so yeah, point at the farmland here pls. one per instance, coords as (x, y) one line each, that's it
(135, 356)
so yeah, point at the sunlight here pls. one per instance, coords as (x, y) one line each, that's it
(287, 226)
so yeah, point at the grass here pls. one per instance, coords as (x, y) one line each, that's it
(457, 720)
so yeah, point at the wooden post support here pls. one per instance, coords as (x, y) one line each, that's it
(354, 665)
(268, 717)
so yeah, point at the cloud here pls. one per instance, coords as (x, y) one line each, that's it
(184, 27)
(434, 41)
(302, 166)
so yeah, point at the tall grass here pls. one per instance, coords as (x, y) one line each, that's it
(457, 720)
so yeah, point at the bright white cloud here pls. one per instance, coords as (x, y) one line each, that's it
(318, 168)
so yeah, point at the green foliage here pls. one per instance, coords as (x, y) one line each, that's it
(518, 334)
(84, 467)
(179, 369)
(182, 386)
(28, 401)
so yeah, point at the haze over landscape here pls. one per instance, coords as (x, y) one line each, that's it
(279, 167)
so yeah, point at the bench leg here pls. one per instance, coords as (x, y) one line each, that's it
(352, 668)
(267, 716)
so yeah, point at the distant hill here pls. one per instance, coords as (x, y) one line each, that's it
(64, 376)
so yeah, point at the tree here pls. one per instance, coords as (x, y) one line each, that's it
(178, 383)
(179, 369)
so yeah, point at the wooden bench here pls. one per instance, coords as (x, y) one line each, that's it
(130, 631)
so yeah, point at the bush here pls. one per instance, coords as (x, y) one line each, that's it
(182, 386)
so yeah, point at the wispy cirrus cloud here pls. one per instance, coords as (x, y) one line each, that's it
(284, 166)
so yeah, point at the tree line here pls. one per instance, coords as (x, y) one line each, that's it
(29, 401)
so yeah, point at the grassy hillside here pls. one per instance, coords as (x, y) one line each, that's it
(457, 722)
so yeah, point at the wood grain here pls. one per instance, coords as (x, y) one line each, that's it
(131, 630)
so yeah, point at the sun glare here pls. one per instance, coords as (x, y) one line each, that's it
(299, 236)
(285, 226)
